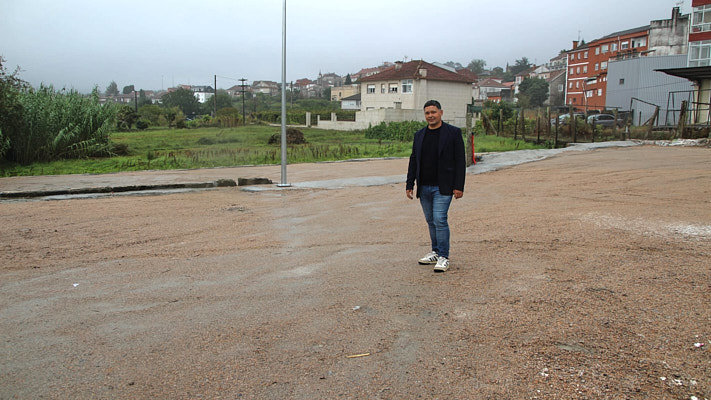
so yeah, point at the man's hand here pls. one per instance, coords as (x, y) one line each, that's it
(458, 194)
(408, 193)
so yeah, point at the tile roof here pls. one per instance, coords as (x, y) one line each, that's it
(411, 70)
(555, 75)
(625, 32)
(468, 73)
(490, 83)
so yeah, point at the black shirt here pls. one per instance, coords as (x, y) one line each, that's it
(430, 156)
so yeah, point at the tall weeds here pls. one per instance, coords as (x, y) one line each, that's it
(58, 124)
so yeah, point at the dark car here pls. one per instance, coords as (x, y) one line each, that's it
(606, 120)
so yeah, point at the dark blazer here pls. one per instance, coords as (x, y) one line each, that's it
(451, 164)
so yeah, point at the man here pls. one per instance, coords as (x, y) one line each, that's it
(438, 165)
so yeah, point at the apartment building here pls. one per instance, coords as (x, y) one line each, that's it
(700, 34)
(586, 82)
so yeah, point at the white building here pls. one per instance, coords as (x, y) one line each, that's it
(407, 86)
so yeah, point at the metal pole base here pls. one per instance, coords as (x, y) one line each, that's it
(283, 184)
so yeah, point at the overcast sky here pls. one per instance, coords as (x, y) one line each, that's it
(156, 44)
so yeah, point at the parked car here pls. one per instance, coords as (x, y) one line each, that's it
(606, 120)
(563, 118)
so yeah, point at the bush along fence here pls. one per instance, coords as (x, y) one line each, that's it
(553, 126)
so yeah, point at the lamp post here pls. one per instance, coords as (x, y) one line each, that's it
(283, 101)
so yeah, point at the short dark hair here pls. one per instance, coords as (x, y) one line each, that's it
(433, 103)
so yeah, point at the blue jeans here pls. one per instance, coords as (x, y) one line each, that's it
(436, 206)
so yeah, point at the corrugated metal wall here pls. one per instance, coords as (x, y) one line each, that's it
(643, 82)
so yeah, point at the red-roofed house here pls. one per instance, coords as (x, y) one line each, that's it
(485, 87)
(407, 86)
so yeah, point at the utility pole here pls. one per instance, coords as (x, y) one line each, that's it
(214, 100)
(244, 117)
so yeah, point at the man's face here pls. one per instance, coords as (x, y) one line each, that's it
(433, 115)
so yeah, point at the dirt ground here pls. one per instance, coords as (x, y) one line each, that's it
(584, 276)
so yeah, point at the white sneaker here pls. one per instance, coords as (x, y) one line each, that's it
(429, 259)
(442, 264)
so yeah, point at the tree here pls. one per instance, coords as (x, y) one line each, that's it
(534, 91)
(521, 65)
(153, 114)
(128, 89)
(497, 72)
(454, 65)
(476, 66)
(112, 89)
(184, 99)
(224, 100)
(143, 99)
(348, 80)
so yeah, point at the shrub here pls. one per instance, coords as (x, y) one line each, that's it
(293, 136)
(142, 124)
(399, 131)
(119, 149)
(228, 117)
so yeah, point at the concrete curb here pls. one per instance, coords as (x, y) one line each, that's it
(117, 189)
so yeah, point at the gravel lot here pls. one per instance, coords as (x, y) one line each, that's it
(583, 276)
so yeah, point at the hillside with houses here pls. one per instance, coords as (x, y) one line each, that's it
(635, 70)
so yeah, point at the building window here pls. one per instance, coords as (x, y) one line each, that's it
(585, 69)
(700, 53)
(597, 66)
(599, 92)
(701, 21)
(570, 85)
(577, 70)
(624, 45)
(597, 50)
(613, 47)
(371, 89)
(392, 88)
(407, 86)
(585, 54)
(572, 71)
(382, 88)
(560, 87)
(603, 65)
(622, 81)
(639, 42)
(577, 84)
(605, 48)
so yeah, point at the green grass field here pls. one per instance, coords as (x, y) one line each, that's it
(215, 147)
